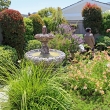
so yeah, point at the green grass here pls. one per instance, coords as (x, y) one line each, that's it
(32, 87)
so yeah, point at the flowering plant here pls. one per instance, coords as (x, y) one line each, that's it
(75, 41)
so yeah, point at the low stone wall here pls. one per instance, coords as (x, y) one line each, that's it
(1, 37)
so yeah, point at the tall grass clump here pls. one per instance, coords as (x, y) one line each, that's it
(33, 87)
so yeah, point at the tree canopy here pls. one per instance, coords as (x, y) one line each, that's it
(4, 4)
(92, 17)
(46, 12)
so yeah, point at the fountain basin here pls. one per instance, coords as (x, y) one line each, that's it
(54, 56)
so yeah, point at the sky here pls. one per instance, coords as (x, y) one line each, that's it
(30, 6)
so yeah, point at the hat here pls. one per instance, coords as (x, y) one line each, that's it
(88, 29)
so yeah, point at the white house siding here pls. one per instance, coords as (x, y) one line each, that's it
(73, 13)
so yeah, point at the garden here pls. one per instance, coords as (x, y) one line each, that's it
(80, 82)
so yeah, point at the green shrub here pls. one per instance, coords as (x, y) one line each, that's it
(101, 46)
(89, 79)
(37, 23)
(49, 23)
(28, 29)
(107, 40)
(13, 29)
(92, 17)
(103, 39)
(60, 43)
(33, 44)
(46, 12)
(33, 88)
(58, 19)
(105, 23)
(8, 53)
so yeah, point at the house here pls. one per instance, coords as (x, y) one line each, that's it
(73, 12)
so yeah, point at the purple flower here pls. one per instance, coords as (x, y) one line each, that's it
(77, 39)
(65, 29)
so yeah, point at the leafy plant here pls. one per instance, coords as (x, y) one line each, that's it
(88, 78)
(13, 30)
(73, 46)
(103, 39)
(101, 46)
(57, 18)
(4, 4)
(28, 29)
(8, 53)
(65, 30)
(49, 23)
(37, 23)
(92, 17)
(105, 23)
(75, 41)
(46, 12)
(33, 88)
(32, 44)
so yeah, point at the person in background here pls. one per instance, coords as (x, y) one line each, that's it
(89, 38)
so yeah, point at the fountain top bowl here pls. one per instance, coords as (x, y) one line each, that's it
(43, 37)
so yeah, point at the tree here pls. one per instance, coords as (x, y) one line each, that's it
(58, 18)
(4, 4)
(46, 12)
(92, 17)
(105, 24)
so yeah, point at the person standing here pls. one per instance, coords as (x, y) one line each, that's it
(89, 39)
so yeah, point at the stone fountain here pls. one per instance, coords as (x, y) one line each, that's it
(45, 54)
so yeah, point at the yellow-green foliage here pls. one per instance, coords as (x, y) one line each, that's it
(28, 29)
(46, 12)
(37, 23)
(32, 44)
(8, 53)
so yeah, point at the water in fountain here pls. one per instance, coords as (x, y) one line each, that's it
(45, 54)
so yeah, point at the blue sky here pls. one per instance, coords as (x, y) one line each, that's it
(25, 6)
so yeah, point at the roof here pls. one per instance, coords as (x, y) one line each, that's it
(87, 1)
(73, 12)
